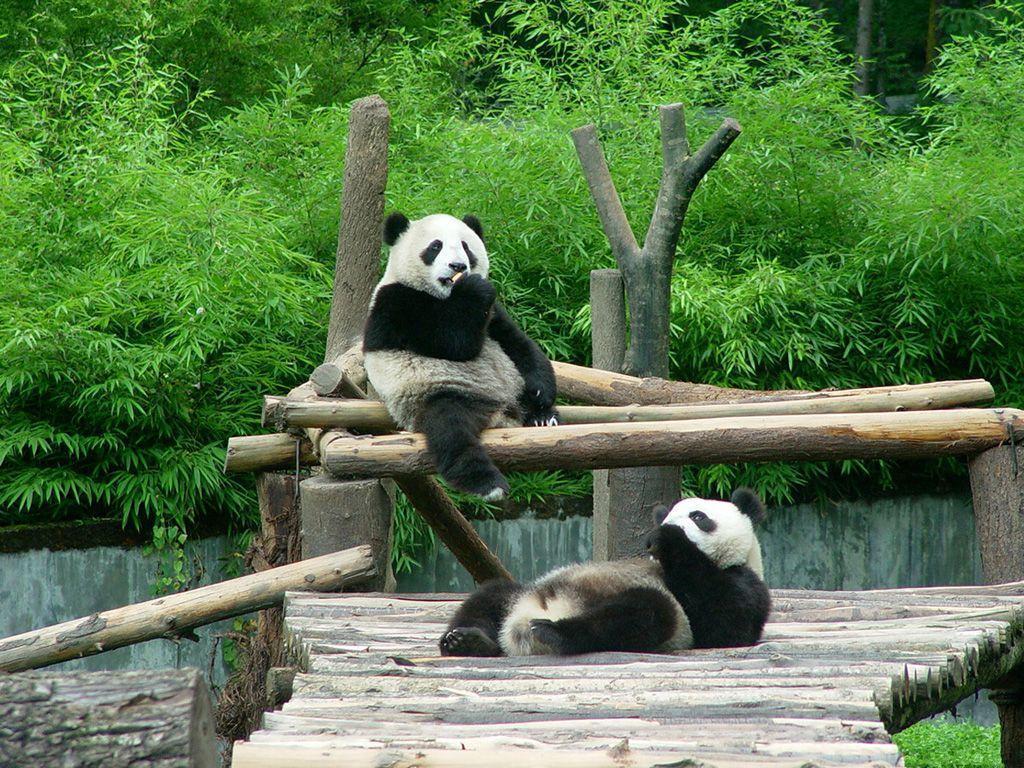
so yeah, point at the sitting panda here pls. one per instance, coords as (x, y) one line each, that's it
(444, 356)
(700, 587)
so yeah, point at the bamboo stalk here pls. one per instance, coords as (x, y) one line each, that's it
(371, 417)
(175, 615)
(913, 434)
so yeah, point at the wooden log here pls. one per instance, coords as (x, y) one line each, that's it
(159, 719)
(173, 615)
(997, 487)
(914, 434)
(452, 528)
(357, 262)
(263, 452)
(330, 380)
(370, 416)
(337, 515)
(587, 385)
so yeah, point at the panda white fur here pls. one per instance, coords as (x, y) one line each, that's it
(697, 588)
(442, 353)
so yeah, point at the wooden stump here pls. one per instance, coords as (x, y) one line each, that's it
(338, 515)
(997, 485)
(107, 719)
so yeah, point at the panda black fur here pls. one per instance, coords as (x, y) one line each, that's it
(442, 353)
(700, 587)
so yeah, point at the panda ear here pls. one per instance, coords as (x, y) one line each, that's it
(394, 225)
(749, 504)
(659, 513)
(473, 223)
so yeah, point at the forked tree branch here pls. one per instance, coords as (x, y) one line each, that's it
(678, 183)
(602, 190)
(675, 147)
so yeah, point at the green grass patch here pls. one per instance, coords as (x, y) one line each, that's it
(950, 745)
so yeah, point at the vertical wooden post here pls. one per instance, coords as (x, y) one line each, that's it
(336, 514)
(1008, 696)
(997, 486)
(608, 350)
(280, 544)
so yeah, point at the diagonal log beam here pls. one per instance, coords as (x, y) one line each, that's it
(175, 615)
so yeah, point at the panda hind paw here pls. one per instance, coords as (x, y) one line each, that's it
(467, 641)
(546, 633)
(495, 494)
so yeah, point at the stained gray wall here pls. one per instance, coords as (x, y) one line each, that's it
(905, 541)
(40, 587)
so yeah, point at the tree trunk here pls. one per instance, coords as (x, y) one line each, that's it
(931, 42)
(107, 720)
(865, 17)
(175, 615)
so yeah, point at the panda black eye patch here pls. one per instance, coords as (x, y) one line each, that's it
(472, 258)
(703, 522)
(430, 252)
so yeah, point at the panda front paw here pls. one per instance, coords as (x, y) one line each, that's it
(540, 416)
(476, 288)
(467, 641)
(666, 543)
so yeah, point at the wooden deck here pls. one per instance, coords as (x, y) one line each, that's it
(834, 675)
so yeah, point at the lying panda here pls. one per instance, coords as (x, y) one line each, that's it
(444, 356)
(700, 587)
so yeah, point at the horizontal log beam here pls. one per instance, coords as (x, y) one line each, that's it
(254, 453)
(370, 416)
(596, 387)
(912, 434)
(176, 615)
(589, 385)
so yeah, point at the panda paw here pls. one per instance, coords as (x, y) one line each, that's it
(536, 415)
(546, 633)
(467, 641)
(667, 544)
(477, 287)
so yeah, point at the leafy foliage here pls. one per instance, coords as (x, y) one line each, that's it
(170, 209)
(950, 745)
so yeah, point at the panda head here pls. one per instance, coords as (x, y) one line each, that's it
(427, 253)
(722, 530)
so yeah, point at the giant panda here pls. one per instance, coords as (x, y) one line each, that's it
(444, 356)
(700, 586)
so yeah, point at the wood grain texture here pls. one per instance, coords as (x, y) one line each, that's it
(107, 719)
(835, 671)
(357, 262)
(997, 489)
(704, 441)
(177, 614)
(371, 417)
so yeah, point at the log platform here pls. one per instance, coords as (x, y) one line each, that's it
(835, 675)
